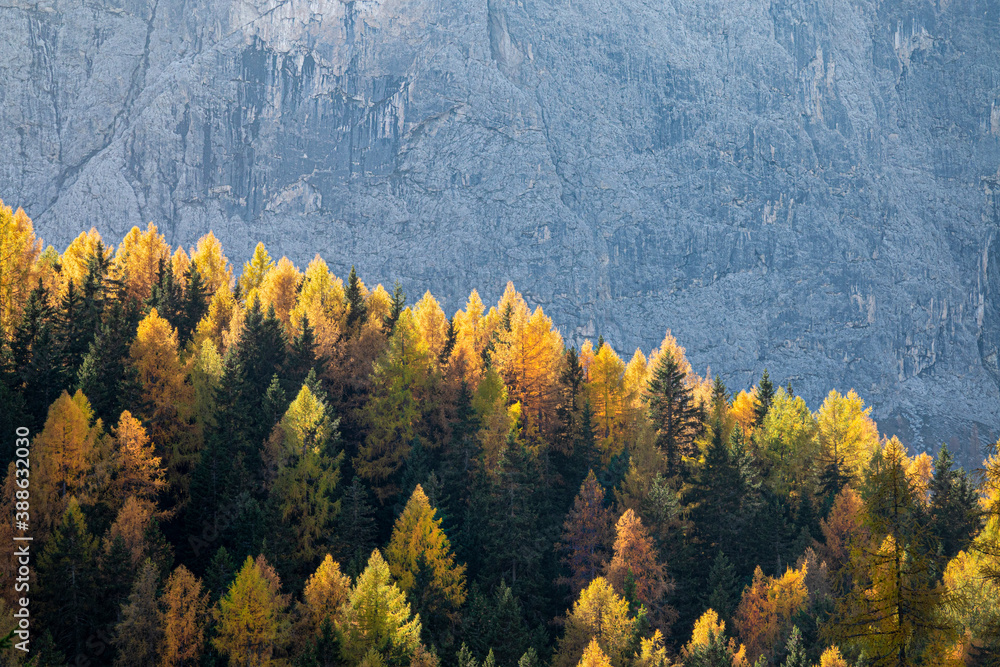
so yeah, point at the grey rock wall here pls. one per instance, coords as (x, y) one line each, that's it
(809, 186)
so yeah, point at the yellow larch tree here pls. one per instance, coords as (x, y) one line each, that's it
(605, 390)
(431, 323)
(179, 264)
(279, 289)
(74, 259)
(326, 592)
(419, 542)
(634, 385)
(528, 355)
(166, 396)
(847, 436)
(635, 557)
(249, 618)
(134, 470)
(598, 614)
(593, 656)
(321, 303)
(18, 251)
(470, 340)
(137, 260)
(217, 322)
(61, 457)
(744, 411)
(212, 264)
(254, 271)
(379, 304)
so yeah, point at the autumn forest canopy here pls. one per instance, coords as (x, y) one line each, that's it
(261, 465)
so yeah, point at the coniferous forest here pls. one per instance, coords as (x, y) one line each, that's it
(261, 465)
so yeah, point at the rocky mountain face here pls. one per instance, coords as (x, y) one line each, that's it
(810, 186)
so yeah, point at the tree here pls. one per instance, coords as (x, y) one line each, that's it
(137, 261)
(326, 592)
(377, 618)
(60, 457)
(587, 535)
(106, 374)
(249, 617)
(636, 563)
(607, 385)
(254, 272)
(357, 310)
(184, 609)
(890, 610)
(37, 359)
(954, 512)
(308, 469)
(722, 583)
(787, 439)
(356, 525)
(672, 409)
(212, 264)
(593, 656)
(418, 544)
(18, 251)
(402, 380)
(708, 646)
(66, 581)
(135, 471)
(497, 622)
(599, 614)
(279, 289)
(139, 635)
(847, 438)
(765, 394)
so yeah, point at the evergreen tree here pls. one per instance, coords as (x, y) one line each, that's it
(396, 307)
(106, 376)
(723, 587)
(66, 581)
(673, 411)
(356, 529)
(795, 651)
(497, 622)
(357, 309)
(139, 635)
(954, 509)
(765, 395)
(37, 357)
(194, 305)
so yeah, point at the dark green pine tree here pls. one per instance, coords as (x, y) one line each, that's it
(765, 396)
(167, 295)
(566, 455)
(449, 342)
(302, 358)
(676, 417)
(115, 575)
(396, 307)
(67, 592)
(106, 376)
(954, 509)
(73, 334)
(795, 650)
(36, 357)
(497, 622)
(15, 410)
(357, 309)
(219, 574)
(275, 403)
(724, 588)
(193, 306)
(356, 529)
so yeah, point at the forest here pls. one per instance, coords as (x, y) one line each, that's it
(267, 466)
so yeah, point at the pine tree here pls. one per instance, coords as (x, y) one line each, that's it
(36, 355)
(497, 621)
(396, 308)
(723, 585)
(139, 635)
(106, 374)
(66, 582)
(765, 394)
(954, 513)
(219, 574)
(587, 535)
(795, 650)
(356, 526)
(673, 411)
(194, 305)
(357, 310)
(184, 609)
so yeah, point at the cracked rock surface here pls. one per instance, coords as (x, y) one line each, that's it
(809, 186)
